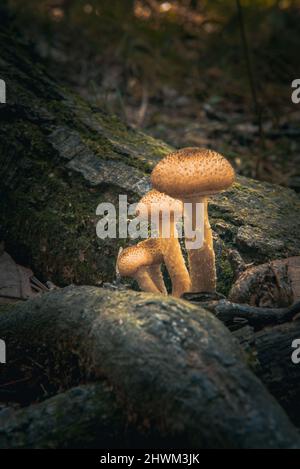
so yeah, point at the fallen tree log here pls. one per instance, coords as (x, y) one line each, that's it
(271, 351)
(269, 348)
(276, 283)
(82, 417)
(61, 157)
(173, 368)
(85, 417)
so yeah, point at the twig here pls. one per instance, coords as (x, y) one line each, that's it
(11, 297)
(236, 315)
(122, 104)
(13, 382)
(257, 317)
(143, 107)
(36, 283)
(256, 105)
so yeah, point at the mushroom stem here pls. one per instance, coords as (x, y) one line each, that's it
(145, 281)
(174, 260)
(157, 277)
(176, 267)
(202, 261)
(162, 212)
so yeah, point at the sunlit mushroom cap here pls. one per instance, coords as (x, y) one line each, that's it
(154, 202)
(192, 172)
(144, 254)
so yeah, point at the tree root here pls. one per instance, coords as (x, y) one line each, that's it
(173, 369)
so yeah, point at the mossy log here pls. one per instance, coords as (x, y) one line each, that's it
(271, 354)
(269, 349)
(61, 157)
(173, 368)
(85, 417)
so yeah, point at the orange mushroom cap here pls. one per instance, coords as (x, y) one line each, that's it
(155, 201)
(144, 254)
(191, 172)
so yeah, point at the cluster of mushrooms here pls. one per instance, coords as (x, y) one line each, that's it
(189, 175)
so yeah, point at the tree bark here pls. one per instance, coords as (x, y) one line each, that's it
(270, 351)
(267, 335)
(173, 368)
(85, 417)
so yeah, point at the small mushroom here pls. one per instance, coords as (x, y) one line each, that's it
(191, 175)
(157, 277)
(142, 262)
(166, 211)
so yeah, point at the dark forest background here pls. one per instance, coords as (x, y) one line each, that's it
(192, 72)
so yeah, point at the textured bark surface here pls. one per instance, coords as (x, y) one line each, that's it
(276, 283)
(85, 416)
(173, 368)
(60, 157)
(271, 351)
(267, 335)
(82, 417)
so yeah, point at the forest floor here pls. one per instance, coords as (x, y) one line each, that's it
(177, 81)
(183, 119)
(186, 117)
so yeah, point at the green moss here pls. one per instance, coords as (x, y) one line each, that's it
(105, 150)
(7, 307)
(225, 275)
(56, 222)
(48, 220)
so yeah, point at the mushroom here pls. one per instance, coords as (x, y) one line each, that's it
(142, 262)
(157, 277)
(191, 175)
(159, 207)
